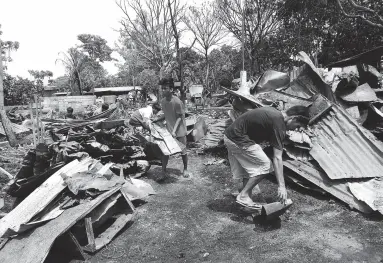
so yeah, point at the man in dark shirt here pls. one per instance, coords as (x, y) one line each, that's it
(247, 159)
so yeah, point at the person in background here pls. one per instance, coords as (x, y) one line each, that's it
(142, 117)
(104, 107)
(69, 113)
(174, 114)
(98, 106)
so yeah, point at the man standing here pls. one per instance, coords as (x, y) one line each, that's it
(247, 159)
(174, 114)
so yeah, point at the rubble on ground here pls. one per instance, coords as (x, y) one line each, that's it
(338, 152)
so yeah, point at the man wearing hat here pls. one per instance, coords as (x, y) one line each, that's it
(248, 162)
(174, 114)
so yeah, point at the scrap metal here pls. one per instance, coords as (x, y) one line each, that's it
(344, 149)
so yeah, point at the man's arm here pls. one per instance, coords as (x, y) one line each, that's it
(161, 118)
(178, 121)
(278, 169)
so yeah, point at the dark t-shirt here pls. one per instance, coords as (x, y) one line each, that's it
(258, 125)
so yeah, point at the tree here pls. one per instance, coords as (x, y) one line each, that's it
(369, 12)
(133, 63)
(192, 65)
(207, 30)
(149, 30)
(148, 80)
(40, 75)
(3, 115)
(74, 62)
(62, 83)
(226, 63)
(96, 47)
(261, 20)
(320, 29)
(18, 91)
(177, 15)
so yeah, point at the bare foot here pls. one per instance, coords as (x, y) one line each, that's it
(245, 200)
(162, 176)
(186, 174)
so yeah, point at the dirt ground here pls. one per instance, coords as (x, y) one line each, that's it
(193, 220)
(196, 219)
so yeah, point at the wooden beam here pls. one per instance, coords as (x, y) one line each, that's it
(90, 234)
(112, 231)
(10, 176)
(128, 201)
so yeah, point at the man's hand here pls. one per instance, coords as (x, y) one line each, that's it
(282, 194)
(173, 134)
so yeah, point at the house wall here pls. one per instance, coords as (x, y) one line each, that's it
(78, 103)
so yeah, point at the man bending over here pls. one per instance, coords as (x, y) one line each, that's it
(247, 159)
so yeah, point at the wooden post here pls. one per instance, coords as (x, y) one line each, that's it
(3, 115)
(41, 123)
(90, 233)
(33, 124)
(37, 119)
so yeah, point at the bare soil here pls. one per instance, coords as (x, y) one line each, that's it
(196, 219)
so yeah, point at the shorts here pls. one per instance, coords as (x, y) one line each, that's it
(183, 141)
(247, 162)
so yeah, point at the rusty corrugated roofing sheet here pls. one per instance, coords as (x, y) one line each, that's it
(344, 149)
(338, 188)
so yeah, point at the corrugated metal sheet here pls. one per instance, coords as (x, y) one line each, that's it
(296, 153)
(117, 89)
(370, 192)
(338, 188)
(344, 149)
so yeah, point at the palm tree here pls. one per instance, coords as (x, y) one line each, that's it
(74, 62)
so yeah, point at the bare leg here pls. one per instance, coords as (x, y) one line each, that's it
(165, 160)
(245, 195)
(185, 161)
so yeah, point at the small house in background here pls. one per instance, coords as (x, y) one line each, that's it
(109, 94)
(50, 90)
(115, 90)
(62, 94)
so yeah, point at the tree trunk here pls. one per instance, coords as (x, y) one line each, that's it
(4, 118)
(207, 70)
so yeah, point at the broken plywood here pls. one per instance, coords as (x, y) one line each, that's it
(35, 246)
(165, 140)
(337, 188)
(41, 197)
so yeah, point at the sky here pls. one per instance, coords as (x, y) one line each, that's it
(45, 28)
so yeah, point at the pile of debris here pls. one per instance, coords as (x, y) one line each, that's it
(75, 188)
(80, 207)
(335, 153)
